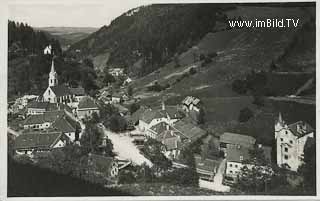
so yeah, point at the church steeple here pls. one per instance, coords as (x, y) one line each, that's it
(53, 76)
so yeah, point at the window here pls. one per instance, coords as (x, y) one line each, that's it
(241, 158)
(231, 171)
(286, 132)
(281, 139)
(230, 165)
(286, 149)
(236, 166)
(286, 157)
(291, 142)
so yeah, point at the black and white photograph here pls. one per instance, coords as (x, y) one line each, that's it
(150, 99)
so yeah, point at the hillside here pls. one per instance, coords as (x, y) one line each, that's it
(68, 35)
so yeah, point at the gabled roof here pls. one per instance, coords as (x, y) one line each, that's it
(61, 90)
(300, 128)
(189, 130)
(207, 164)
(191, 100)
(160, 127)
(148, 114)
(42, 105)
(47, 106)
(63, 125)
(45, 117)
(234, 154)
(44, 141)
(121, 108)
(237, 139)
(87, 103)
(79, 91)
(171, 141)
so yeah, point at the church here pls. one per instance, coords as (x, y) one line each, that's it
(56, 93)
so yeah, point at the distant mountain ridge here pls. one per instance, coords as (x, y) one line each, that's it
(68, 35)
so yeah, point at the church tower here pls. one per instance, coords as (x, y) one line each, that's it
(53, 76)
(279, 125)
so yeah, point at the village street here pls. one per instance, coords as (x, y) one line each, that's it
(125, 149)
(216, 185)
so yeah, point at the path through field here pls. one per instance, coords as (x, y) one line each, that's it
(124, 148)
(216, 185)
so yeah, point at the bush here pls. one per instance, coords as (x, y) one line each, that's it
(192, 71)
(126, 177)
(239, 86)
(245, 114)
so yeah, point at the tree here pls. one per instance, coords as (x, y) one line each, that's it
(245, 114)
(176, 61)
(130, 91)
(308, 168)
(88, 62)
(153, 151)
(92, 140)
(256, 172)
(201, 116)
(239, 86)
(117, 123)
(192, 71)
(182, 177)
(134, 107)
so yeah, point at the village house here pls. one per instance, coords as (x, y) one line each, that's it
(35, 107)
(290, 142)
(87, 107)
(236, 148)
(145, 118)
(206, 168)
(230, 140)
(38, 142)
(115, 72)
(67, 126)
(172, 143)
(78, 93)
(42, 121)
(191, 103)
(107, 167)
(47, 50)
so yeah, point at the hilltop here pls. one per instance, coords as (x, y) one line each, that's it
(68, 35)
(218, 55)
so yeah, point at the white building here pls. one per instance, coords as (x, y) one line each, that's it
(38, 142)
(191, 103)
(290, 141)
(56, 93)
(47, 50)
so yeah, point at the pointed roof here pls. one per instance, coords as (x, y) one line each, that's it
(280, 120)
(52, 67)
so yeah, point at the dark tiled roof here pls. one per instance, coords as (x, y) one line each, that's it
(237, 139)
(207, 164)
(87, 103)
(46, 141)
(61, 90)
(160, 127)
(189, 130)
(48, 106)
(234, 153)
(121, 108)
(79, 91)
(63, 125)
(300, 128)
(45, 117)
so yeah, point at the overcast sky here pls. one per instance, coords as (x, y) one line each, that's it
(71, 15)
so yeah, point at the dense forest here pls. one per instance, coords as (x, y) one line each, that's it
(24, 40)
(28, 67)
(152, 34)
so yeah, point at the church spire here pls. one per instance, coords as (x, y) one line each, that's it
(52, 67)
(280, 120)
(53, 76)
